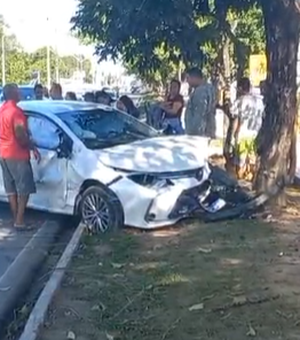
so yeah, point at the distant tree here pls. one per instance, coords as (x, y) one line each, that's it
(18, 67)
(67, 65)
(71, 63)
(16, 61)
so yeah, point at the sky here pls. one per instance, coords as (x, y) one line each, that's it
(28, 21)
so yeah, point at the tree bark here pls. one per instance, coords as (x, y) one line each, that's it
(275, 139)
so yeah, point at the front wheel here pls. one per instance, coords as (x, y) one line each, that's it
(101, 210)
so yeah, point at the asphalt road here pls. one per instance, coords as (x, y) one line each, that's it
(11, 241)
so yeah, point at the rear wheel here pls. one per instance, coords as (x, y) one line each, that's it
(101, 210)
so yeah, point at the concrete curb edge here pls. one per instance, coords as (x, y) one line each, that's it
(19, 275)
(39, 312)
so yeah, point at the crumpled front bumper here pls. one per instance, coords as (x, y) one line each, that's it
(198, 199)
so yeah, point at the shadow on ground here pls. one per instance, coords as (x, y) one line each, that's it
(11, 241)
(231, 280)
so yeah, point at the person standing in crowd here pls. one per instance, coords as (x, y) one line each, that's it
(56, 92)
(172, 107)
(168, 113)
(126, 104)
(101, 97)
(247, 111)
(89, 97)
(71, 96)
(38, 92)
(45, 92)
(15, 146)
(200, 115)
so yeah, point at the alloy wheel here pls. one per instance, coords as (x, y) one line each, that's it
(95, 213)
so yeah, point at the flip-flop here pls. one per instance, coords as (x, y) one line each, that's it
(22, 227)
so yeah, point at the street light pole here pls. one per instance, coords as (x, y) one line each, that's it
(3, 57)
(48, 67)
(56, 58)
(48, 60)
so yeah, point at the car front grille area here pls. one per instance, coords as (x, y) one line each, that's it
(189, 201)
(148, 178)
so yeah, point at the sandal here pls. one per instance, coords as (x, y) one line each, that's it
(22, 227)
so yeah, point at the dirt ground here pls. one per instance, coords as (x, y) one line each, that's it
(226, 281)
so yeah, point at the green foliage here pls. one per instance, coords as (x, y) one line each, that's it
(154, 37)
(148, 36)
(19, 65)
(250, 29)
(66, 64)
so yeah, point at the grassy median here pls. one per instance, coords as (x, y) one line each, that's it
(226, 281)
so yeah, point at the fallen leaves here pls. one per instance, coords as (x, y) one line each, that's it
(109, 336)
(117, 265)
(239, 300)
(199, 306)
(204, 250)
(71, 335)
(251, 332)
(98, 308)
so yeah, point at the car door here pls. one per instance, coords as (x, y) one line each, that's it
(50, 173)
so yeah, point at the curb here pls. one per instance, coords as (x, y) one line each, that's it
(39, 312)
(18, 277)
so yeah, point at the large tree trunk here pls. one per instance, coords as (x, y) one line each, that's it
(275, 139)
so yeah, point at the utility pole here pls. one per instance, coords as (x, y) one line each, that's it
(56, 59)
(48, 68)
(48, 59)
(3, 57)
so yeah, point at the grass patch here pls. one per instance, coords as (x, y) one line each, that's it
(227, 281)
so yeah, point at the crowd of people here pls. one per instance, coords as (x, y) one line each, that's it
(246, 112)
(200, 120)
(124, 103)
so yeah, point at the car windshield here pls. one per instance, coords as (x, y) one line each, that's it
(101, 128)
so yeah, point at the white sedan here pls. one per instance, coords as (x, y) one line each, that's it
(111, 170)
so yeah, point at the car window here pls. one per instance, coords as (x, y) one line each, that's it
(44, 133)
(102, 128)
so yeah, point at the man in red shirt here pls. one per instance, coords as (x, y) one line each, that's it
(15, 146)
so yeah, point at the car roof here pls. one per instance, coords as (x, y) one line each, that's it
(55, 107)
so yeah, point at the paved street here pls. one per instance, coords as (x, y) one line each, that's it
(12, 242)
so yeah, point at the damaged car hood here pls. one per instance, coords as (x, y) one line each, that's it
(160, 154)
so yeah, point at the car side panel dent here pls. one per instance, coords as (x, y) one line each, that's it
(51, 181)
(84, 166)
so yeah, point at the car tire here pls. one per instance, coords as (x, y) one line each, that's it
(101, 210)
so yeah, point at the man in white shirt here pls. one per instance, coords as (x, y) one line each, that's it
(248, 112)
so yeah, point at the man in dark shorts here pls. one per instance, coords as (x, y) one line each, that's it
(15, 146)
